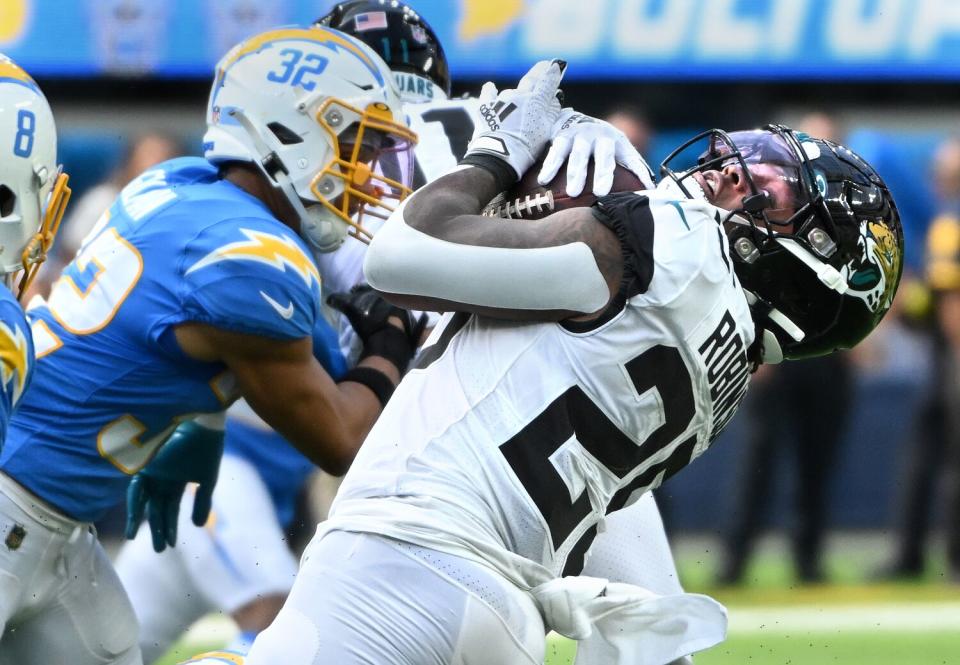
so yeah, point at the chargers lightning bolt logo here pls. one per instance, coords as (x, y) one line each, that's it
(14, 359)
(276, 251)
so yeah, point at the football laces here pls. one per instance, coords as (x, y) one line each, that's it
(529, 207)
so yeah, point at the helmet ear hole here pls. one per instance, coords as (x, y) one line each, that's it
(284, 134)
(8, 201)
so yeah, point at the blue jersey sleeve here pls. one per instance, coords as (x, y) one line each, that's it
(253, 277)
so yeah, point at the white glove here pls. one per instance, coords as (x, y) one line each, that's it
(517, 124)
(577, 137)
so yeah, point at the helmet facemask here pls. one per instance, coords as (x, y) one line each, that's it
(347, 186)
(371, 169)
(754, 154)
(35, 251)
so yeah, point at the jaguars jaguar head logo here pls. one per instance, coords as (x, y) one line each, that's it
(874, 275)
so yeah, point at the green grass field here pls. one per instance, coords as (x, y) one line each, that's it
(821, 649)
(775, 622)
(846, 648)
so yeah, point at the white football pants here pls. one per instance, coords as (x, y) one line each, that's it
(362, 599)
(633, 548)
(60, 599)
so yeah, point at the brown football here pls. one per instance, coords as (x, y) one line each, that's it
(528, 199)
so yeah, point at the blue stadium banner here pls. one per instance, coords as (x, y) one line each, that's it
(635, 39)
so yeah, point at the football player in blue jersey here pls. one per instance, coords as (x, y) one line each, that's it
(197, 286)
(33, 197)
(240, 564)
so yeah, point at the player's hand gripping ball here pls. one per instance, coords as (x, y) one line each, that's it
(580, 141)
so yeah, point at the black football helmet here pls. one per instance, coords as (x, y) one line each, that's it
(397, 33)
(820, 278)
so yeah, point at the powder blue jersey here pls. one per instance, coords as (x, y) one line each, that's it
(111, 382)
(16, 357)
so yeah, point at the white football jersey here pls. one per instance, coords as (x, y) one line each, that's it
(444, 127)
(510, 442)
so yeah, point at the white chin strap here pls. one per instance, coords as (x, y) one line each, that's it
(772, 351)
(825, 272)
(322, 229)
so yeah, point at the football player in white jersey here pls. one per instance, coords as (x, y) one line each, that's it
(634, 547)
(460, 530)
(241, 563)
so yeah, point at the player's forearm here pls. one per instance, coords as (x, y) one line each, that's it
(438, 249)
(465, 191)
(327, 426)
(331, 426)
(362, 407)
(324, 420)
(449, 209)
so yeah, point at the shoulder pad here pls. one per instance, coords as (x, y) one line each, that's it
(250, 276)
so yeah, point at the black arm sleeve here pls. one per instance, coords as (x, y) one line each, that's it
(628, 215)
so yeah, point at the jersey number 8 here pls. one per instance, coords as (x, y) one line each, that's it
(23, 140)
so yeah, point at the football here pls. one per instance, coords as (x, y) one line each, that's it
(528, 199)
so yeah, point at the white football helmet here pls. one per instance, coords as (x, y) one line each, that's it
(314, 110)
(33, 189)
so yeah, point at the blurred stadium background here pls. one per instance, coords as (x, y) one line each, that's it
(885, 72)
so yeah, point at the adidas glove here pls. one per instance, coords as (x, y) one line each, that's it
(516, 125)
